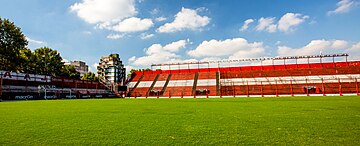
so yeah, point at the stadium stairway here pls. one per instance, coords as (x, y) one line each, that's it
(217, 83)
(195, 84)
(137, 83)
(158, 85)
(144, 85)
(152, 85)
(166, 84)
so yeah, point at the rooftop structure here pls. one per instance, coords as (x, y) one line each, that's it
(80, 66)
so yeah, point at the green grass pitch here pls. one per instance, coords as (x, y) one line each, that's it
(233, 121)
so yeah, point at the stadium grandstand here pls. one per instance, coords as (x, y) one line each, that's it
(111, 73)
(317, 75)
(31, 86)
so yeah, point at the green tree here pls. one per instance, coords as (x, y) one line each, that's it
(146, 69)
(89, 76)
(27, 61)
(12, 40)
(48, 62)
(69, 71)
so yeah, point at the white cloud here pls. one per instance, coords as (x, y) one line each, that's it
(115, 36)
(324, 46)
(315, 47)
(266, 24)
(287, 23)
(34, 41)
(211, 59)
(64, 60)
(145, 36)
(290, 20)
(87, 32)
(133, 24)
(129, 68)
(186, 19)
(202, 9)
(246, 24)
(234, 48)
(33, 44)
(256, 51)
(278, 43)
(354, 51)
(272, 28)
(104, 25)
(343, 6)
(159, 19)
(339, 44)
(100, 11)
(157, 53)
(154, 11)
(132, 59)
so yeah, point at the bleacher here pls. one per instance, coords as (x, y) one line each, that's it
(180, 84)
(302, 79)
(143, 84)
(157, 90)
(32, 86)
(207, 80)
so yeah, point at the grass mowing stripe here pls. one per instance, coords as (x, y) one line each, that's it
(233, 121)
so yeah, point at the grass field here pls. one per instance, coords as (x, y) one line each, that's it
(235, 121)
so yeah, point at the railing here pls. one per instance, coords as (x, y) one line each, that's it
(290, 86)
(268, 86)
(106, 83)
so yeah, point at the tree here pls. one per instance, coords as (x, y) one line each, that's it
(90, 77)
(12, 41)
(146, 69)
(27, 61)
(48, 62)
(69, 71)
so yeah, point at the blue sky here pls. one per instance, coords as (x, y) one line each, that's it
(159, 31)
